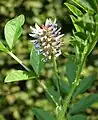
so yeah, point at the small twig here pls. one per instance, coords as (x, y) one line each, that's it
(45, 88)
(18, 60)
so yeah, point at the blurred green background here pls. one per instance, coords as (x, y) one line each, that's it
(17, 99)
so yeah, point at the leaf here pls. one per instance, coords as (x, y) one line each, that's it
(85, 84)
(64, 86)
(77, 117)
(96, 22)
(86, 4)
(20, 19)
(79, 42)
(71, 71)
(84, 103)
(80, 5)
(3, 48)
(74, 10)
(36, 61)
(77, 27)
(13, 30)
(18, 75)
(80, 24)
(81, 35)
(42, 115)
(93, 4)
(89, 22)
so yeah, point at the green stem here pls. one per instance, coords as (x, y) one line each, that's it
(45, 88)
(58, 78)
(18, 60)
(63, 111)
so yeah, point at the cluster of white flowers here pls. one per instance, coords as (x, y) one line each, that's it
(46, 39)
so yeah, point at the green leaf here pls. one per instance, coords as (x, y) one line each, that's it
(20, 19)
(42, 115)
(74, 10)
(79, 42)
(36, 61)
(80, 24)
(77, 117)
(80, 5)
(71, 71)
(77, 27)
(18, 75)
(3, 48)
(85, 84)
(96, 22)
(89, 22)
(84, 103)
(93, 4)
(81, 35)
(13, 30)
(86, 4)
(64, 86)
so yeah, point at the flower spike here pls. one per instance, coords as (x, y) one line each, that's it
(47, 39)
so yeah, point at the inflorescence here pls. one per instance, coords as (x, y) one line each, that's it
(47, 39)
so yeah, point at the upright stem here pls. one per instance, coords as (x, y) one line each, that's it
(63, 111)
(58, 78)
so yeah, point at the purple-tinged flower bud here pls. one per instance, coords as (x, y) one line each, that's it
(47, 39)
